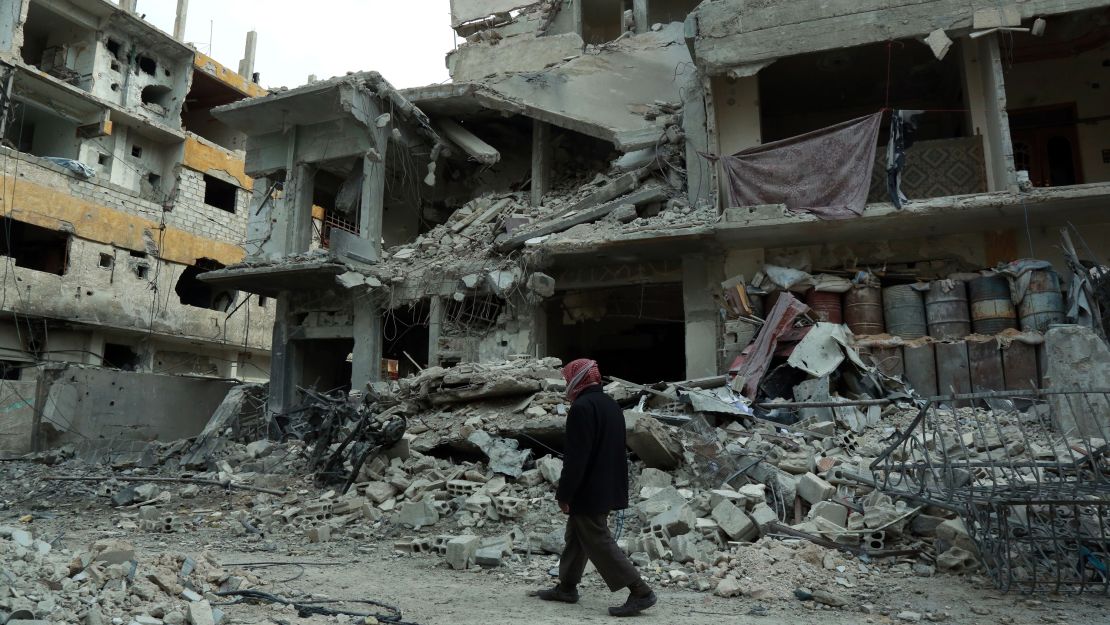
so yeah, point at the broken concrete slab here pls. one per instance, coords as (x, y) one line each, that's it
(814, 489)
(1077, 359)
(504, 454)
(461, 551)
(734, 522)
(652, 442)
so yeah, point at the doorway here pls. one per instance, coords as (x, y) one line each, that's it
(636, 333)
(1046, 144)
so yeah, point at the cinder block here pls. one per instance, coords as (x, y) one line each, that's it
(734, 522)
(461, 551)
(813, 489)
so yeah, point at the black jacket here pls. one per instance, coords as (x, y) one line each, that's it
(595, 468)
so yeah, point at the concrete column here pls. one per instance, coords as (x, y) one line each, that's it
(702, 331)
(179, 20)
(373, 198)
(640, 15)
(435, 328)
(366, 363)
(735, 110)
(246, 65)
(129, 5)
(541, 160)
(95, 349)
(285, 361)
(700, 179)
(297, 201)
(985, 87)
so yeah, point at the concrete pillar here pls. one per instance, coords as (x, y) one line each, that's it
(985, 87)
(366, 363)
(435, 328)
(129, 5)
(95, 351)
(640, 16)
(246, 66)
(373, 198)
(285, 361)
(699, 172)
(179, 20)
(734, 108)
(702, 332)
(299, 185)
(541, 160)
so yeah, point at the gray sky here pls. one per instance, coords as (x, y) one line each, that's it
(405, 40)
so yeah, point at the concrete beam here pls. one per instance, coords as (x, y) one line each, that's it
(771, 30)
(541, 160)
(470, 143)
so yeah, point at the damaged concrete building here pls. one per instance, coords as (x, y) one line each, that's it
(119, 190)
(585, 185)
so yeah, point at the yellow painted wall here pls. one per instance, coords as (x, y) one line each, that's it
(49, 208)
(204, 63)
(203, 157)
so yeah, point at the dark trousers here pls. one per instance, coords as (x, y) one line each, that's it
(588, 539)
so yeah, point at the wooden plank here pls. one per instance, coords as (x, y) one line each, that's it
(648, 193)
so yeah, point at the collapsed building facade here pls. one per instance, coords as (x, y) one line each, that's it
(119, 189)
(572, 191)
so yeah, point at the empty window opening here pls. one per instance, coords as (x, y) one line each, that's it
(135, 254)
(602, 20)
(405, 331)
(115, 67)
(615, 326)
(326, 364)
(141, 271)
(103, 159)
(157, 95)
(194, 292)
(115, 50)
(43, 132)
(123, 357)
(11, 369)
(106, 260)
(57, 45)
(147, 65)
(154, 179)
(136, 151)
(115, 86)
(667, 11)
(219, 194)
(262, 299)
(33, 247)
(205, 92)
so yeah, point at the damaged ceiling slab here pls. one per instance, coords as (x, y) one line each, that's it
(611, 93)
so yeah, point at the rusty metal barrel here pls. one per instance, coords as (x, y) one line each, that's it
(904, 311)
(863, 310)
(947, 311)
(1043, 303)
(992, 310)
(825, 306)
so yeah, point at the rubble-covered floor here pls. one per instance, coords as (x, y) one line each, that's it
(361, 562)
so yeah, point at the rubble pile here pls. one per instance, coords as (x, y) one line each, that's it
(109, 582)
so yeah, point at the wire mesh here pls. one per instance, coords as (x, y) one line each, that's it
(1029, 477)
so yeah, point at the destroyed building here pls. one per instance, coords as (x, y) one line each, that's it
(585, 185)
(119, 190)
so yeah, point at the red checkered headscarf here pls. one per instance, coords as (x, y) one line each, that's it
(580, 374)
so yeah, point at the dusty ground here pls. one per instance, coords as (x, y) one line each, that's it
(429, 593)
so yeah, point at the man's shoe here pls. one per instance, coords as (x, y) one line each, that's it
(634, 605)
(557, 594)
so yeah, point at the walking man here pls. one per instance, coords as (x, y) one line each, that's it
(594, 482)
